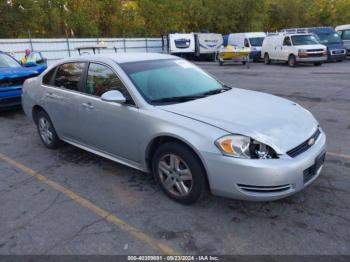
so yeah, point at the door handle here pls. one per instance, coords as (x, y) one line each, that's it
(88, 105)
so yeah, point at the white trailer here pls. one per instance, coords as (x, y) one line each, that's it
(207, 44)
(181, 43)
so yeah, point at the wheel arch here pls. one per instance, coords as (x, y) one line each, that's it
(35, 110)
(165, 138)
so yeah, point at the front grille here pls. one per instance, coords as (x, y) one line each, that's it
(338, 52)
(264, 189)
(10, 101)
(315, 54)
(315, 50)
(8, 82)
(304, 146)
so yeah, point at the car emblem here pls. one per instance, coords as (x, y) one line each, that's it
(311, 141)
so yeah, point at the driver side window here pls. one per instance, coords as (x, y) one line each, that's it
(286, 41)
(101, 79)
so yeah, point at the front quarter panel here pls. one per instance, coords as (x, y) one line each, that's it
(197, 135)
(31, 95)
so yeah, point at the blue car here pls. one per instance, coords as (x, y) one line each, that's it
(326, 36)
(13, 75)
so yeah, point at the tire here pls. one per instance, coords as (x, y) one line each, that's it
(186, 187)
(267, 60)
(292, 62)
(244, 62)
(318, 64)
(47, 132)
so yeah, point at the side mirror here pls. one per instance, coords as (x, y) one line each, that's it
(41, 61)
(113, 96)
(30, 64)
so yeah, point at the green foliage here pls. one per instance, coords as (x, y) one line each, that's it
(153, 18)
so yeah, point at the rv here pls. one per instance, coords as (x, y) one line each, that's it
(181, 44)
(252, 40)
(207, 44)
(344, 33)
(326, 36)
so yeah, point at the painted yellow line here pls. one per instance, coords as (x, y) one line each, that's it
(339, 155)
(137, 233)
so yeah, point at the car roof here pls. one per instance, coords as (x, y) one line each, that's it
(121, 57)
(343, 27)
(321, 30)
(287, 34)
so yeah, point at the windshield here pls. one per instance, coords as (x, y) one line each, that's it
(7, 61)
(304, 40)
(163, 80)
(256, 41)
(346, 35)
(330, 38)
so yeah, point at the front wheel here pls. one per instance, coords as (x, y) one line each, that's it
(267, 60)
(292, 62)
(47, 132)
(179, 173)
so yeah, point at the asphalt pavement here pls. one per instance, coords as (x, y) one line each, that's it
(69, 201)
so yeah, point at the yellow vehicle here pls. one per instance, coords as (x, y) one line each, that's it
(234, 54)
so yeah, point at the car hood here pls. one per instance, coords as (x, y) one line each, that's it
(14, 72)
(310, 47)
(256, 48)
(277, 122)
(335, 46)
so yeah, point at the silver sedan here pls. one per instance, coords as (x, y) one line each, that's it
(161, 114)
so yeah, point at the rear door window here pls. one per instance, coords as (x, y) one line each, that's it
(69, 76)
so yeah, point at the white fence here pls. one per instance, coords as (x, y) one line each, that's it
(58, 48)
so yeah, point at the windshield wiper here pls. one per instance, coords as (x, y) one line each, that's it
(176, 99)
(191, 97)
(217, 91)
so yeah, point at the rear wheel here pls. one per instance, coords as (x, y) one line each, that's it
(46, 131)
(179, 173)
(267, 59)
(292, 62)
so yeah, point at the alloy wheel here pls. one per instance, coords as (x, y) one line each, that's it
(45, 130)
(175, 175)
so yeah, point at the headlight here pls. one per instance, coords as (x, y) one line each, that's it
(244, 147)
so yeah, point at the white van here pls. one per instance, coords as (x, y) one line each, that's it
(252, 40)
(293, 48)
(181, 43)
(207, 44)
(344, 33)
